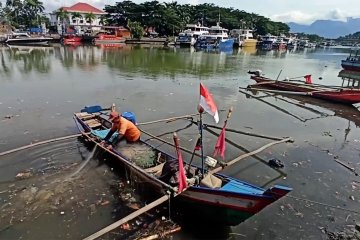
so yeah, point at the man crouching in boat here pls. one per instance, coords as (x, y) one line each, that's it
(125, 128)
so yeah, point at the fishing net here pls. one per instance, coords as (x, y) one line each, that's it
(142, 155)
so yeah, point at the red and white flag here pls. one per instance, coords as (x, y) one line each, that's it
(207, 102)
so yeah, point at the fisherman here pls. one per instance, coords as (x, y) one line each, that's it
(125, 128)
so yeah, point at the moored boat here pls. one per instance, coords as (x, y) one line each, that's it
(26, 39)
(352, 62)
(189, 36)
(339, 94)
(243, 38)
(71, 39)
(217, 38)
(108, 38)
(222, 199)
(267, 42)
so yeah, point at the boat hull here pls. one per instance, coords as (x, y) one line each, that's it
(350, 96)
(352, 66)
(226, 207)
(249, 43)
(39, 41)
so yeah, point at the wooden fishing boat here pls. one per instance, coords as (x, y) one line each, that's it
(217, 197)
(339, 94)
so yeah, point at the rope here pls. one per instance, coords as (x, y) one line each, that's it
(38, 143)
(322, 204)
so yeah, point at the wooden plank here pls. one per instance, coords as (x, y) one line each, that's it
(128, 218)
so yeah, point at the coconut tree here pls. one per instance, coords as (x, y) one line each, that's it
(76, 16)
(62, 14)
(89, 17)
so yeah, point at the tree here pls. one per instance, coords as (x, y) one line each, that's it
(168, 18)
(76, 16)
(62, 15)
(89, 17)
(136, 29)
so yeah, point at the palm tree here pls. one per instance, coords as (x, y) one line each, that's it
(62, 14)
(77, 16)
(89, 17)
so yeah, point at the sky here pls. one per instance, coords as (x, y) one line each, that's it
(299, 11)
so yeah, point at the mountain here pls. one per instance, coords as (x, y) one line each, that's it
(328, 28)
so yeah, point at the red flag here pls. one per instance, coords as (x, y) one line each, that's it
(308, 79)
(207, 102)
(220, 144)
(182, 176)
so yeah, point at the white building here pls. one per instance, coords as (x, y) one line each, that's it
(79, 23)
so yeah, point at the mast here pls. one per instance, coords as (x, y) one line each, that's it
(200, 125)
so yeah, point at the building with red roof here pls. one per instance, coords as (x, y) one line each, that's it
(78, 23)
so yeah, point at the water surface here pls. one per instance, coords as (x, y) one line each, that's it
(41, 87)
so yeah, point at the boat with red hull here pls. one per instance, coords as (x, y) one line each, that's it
(71, 39)
(217, 197)
(338, 94)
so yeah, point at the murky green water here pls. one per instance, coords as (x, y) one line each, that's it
(41, 87)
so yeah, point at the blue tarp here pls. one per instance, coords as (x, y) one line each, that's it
(102, 134)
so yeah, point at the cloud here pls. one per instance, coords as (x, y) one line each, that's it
(295, 16)
(193, 2)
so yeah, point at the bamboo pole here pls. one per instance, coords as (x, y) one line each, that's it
(244, 133)
(245, 150)
(38, 143)
(164, 141)
(168, 119)
(235, 160)
(274, 106)
(128, 218)
(277, 91)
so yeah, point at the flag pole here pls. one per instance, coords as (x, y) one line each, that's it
(201, 143)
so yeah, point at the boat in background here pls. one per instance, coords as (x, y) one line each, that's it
(71, 39)
(352, 62)
(217, 38)
(108, 38)
(267, 42)
(189, 36)
(340, 94)
(111, 34)
(243, 38)
(24, 38)
(216, 197)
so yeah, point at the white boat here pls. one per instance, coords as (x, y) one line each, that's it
(25, 39)
(267, 41)
(189, 36)
(243, 37)
(217, 38)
